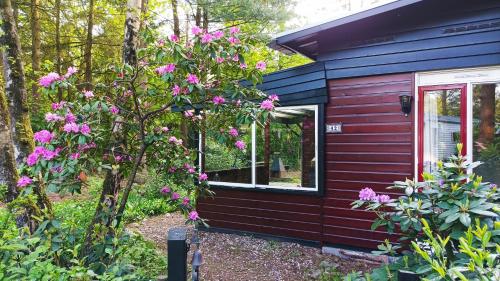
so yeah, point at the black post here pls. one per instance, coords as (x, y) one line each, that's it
(404, 275)
(177, 254)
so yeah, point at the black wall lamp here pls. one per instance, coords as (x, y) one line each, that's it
(405, 100)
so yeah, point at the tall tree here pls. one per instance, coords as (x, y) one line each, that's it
(8, 171)
(35, 41)
(57, 8)
(88, 45)
(15, 89)
(175, 16)
(132, 25)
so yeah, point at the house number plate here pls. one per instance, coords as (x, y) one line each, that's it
(334, 128)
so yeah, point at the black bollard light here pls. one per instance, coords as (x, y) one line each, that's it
(177, 254)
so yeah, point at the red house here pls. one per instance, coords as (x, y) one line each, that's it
(391, 91)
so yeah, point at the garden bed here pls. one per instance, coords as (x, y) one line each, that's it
(230, 257)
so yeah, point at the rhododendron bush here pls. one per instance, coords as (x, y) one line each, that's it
(129, 120)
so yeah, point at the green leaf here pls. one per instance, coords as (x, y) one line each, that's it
(484, 213)
(452, 218)
(465, 219)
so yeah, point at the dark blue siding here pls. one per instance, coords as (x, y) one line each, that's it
(300, 85)
(466, 38)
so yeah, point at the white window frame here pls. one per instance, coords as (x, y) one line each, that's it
(469, 76)
(254, 184)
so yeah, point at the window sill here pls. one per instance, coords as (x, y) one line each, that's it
(312, 192)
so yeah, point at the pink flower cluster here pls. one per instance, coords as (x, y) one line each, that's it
(114, 110)
(174, 38)
(24, 181)
(43, 152)
(261, 65)
(175, 141)
(233, 132)
(218, 34)
(52, 117)
(267, 104)
(71, 128)
(169, 68)
(207, 38)
(196, 30)
(88, 94)
(217, 100)
(47, 80)
(240, 145)
(43, 136)
(367, 194)
(203, 177)
(193, 215)
(192, 79)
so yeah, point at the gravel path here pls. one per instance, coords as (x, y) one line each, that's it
(229, 257)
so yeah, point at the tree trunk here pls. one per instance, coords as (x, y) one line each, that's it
(8, 171)
(88, 46)
(15, 89)
(444, 103)
(197, 17)
(58, 44)
(132, 25)
(175, 15)
(35, 43)
(205, 18)
(486, 114)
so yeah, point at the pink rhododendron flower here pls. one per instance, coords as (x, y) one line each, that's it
(71, 70)
(267, 105)
(169, 68)
(206, 38)
(165, 129)
(383, 199)
(58, 105)
(274, 97)
(193, 215)
(74, 156)
(176, 90)
(173, 38)
(203, 177)
(71, 128)
(218, 100)
(49, 154)
(70, 117)
(174, 140)
(234, 30)
(236, 57)
(43, 136)
(160, 43)
(24, 181)
(261, 65)
(52, 117)
(218, 34)
(192, 79)
(85, 129)
(32, 159)
(114, 110)
(238, 103)
(165, 190)
(185, 201)
(191, 170)
(172, 169)
(367, 194)
(88, 94)
(243, 66)
(240, 145)
(196, 30)
(233, 132)
(47, 80)
(175, 196)
(188, 113)
(233, 40)
(219, 59)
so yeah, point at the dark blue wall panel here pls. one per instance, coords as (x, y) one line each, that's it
(468, 37)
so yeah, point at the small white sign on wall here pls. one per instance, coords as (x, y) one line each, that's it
(334, 128)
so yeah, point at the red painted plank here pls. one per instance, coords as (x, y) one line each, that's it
(282, 205)
(369, 138)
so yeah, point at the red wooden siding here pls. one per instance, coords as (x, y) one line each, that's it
(296, 216)
(374, 149)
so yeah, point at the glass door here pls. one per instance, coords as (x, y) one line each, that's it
(442, 124)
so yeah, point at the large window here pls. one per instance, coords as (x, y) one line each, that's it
(460, 106)
(281, 154)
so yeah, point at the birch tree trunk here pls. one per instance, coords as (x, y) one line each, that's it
(57, 7)
(132, 25)
(175, 15)
(15, 88)
(88, 46)
(35, 42)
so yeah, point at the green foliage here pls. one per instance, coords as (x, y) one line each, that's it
(436, 216)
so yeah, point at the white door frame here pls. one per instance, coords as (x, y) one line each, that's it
(469, 76)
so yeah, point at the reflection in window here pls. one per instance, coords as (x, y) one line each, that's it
(286, 149)
(441, 126)
(224, 162)
(486, 129)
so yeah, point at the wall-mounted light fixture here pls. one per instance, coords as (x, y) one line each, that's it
(405, 100)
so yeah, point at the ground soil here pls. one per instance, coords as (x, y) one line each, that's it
(229, 257)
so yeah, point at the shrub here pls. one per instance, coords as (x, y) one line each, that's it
(444, 205)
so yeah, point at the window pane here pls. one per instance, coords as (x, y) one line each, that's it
(224, 162)
(486, 124)
(441, 126)
(286, 149)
